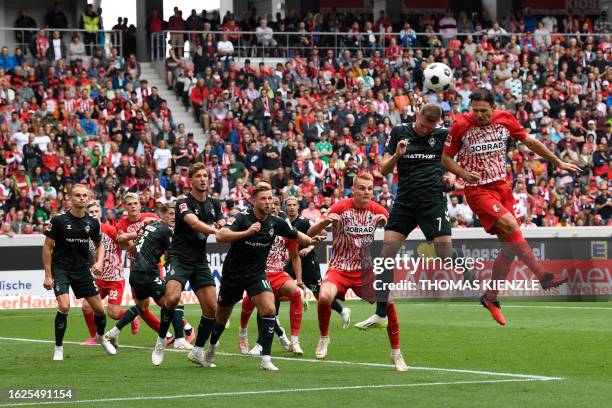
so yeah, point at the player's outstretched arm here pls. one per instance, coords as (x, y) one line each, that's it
(306, 240)
(451, 165)
(197, 225)
(46, 255)
(227, 235)
(538, 147)
(296, 263)
(318, 226)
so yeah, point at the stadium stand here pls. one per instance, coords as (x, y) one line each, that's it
(308, 122)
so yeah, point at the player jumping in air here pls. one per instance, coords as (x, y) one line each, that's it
(354, 221)
(416, 149)
(252, 233)
(110, 281)
(66, 263)
(478, 139)
(283, 285)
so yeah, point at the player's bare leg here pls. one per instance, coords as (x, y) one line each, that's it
(100, 320)
(207, 296)
(327, 294)
(296, 309)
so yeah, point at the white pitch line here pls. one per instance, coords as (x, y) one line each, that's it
(309, 360)
(511, 306)
(261, 392)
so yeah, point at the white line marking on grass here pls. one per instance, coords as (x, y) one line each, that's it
(308, 360)
(511, 306)
(263, 392)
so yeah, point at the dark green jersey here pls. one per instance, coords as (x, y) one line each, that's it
(420, 169)
(247, 257)
(189, 245)
(71, 236)
(310, 261)
(150, 247)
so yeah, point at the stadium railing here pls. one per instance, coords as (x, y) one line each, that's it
(107, 39)
(288, 44)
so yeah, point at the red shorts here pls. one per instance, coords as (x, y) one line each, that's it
(490, 202)
(361, 283)
(277, 280)
(112, 289)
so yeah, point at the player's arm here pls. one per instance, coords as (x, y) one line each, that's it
(395, 149)
(97, 267)
(308, 240)
(449, 163)
(296, 263)
(538, 147)
(197, 225)
(46, 254)
(318, 226)
(235, 229)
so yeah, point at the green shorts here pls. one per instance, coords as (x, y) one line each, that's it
(197, 274)
(81, 282)
(232, 291)
(432, 217)
(144, 288)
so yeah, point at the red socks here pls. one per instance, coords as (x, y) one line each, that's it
(393, 330)
(295, 311)
(522, 249)
(247, 311)
(501, 267)
(121, 313)
(89, 321)
(324, 312)
(150, 319)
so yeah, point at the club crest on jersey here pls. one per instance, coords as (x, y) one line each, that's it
(87, 228)
(432, 141)
(496, 208)
(271, 232)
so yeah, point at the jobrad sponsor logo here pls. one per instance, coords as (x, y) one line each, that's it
(487, 147)
(359, 229)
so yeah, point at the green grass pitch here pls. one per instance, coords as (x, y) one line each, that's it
(551, 354)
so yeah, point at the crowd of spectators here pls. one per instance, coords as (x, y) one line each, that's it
(310, 123)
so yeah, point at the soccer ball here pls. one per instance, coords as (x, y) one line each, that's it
(438, 77)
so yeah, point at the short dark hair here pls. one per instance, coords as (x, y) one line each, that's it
(482, 94)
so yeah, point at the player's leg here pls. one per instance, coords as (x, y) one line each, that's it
(393, 332)
(290, 289)
(88, 315)
(126, 318)
(394, 237)
(174, 288)
(115, 295)
(264, 302)
(100, 321)
(61, 320)
(245, 315)
(207, 297)
(327, 294)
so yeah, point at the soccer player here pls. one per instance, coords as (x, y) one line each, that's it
(251, 234)
(311, 272)
(66, 263)
(110, 281)
(354, 221)
(197, 216)
(478, 139)
(129, 227)
(282, 285)
(416, 150)
(153, 242)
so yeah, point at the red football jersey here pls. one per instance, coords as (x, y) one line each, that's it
(279, 254)
(483, 148)
(353, 234)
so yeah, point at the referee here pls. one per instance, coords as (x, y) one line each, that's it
(66, 263)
